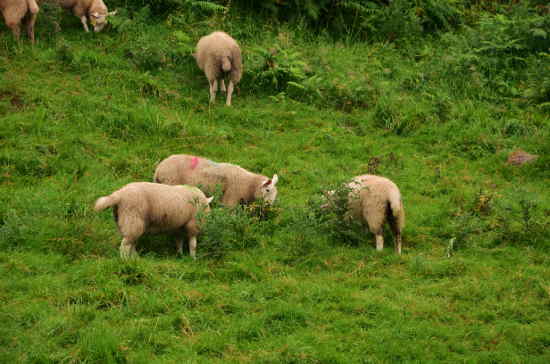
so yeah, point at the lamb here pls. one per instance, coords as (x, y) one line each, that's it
(376, 200)
(94, 10)
(219, 56)
(16, 11)
(238, 184)
(143, 207)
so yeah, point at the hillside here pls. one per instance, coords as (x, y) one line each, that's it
(82, 114)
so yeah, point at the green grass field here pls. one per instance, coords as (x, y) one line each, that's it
(83, 114)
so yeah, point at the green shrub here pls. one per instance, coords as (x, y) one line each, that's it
(226, 229)
(538, 89)
(517, 220)
(333, 217)
(499, 51)
(165, 7)
(273, 69)
(366, 19)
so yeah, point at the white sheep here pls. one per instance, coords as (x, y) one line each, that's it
(144, 207)
(375, 200)
(15, 11)
(219, 56)
(94, 10)
(238, 184)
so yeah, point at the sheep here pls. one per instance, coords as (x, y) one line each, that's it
(219, 56)
(238, 184)
(144, 207)
(15, 11)
(375, 200)
(94, 10)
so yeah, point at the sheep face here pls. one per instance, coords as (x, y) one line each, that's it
(99, 20)
(268, 191)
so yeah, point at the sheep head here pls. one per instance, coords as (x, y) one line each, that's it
(99, 20)
(267, 190)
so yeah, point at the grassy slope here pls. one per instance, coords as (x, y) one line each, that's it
(80, 119)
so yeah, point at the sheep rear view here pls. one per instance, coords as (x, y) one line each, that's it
(17, 11)
(375, 200)
(219, 56)
(144, 207)
(237, 184)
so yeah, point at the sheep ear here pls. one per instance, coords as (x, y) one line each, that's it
(275, 179)
(111, 13)
(208, 200)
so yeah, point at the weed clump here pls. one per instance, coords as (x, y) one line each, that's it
(496, 221)
(240, 227)
(333, 216)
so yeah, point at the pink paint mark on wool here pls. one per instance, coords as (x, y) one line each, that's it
(194, 162)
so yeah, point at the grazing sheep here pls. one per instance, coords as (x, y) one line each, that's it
(15, 11)
(375, 200)
(143, 207)
(93, 10)
(238, 184)
(219, 56)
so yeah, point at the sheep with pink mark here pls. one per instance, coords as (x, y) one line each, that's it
(144, 207)
(237, 184)
(375, 200)
(94, 11)
(219, 56)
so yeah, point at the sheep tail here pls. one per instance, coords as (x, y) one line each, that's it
(226, 64)
(106, 201)
(396, 206)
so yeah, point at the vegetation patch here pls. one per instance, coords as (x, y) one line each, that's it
(435, 95)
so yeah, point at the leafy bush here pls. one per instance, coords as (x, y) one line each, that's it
(365, 18)
(499, 51)
(225, 229)
(538, 88)
(521, 221)
(333, 216)
(275, 68)
(165, 7)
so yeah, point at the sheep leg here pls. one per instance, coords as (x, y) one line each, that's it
(15, 28)
(84, 22)
(127, 248)
(398, 243)
(131, 229)
(379, 241)
(192, 232)
(30, 26)
(396, 233)
(229, 93)
(193, 247)
(213, 89)
(222, 86)
(179, 244)
(375, 221)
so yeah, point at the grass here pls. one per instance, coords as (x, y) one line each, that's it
(83, 114)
